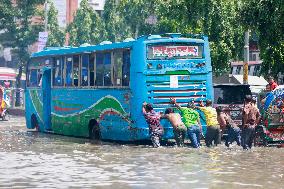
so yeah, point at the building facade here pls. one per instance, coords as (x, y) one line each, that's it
(254, 64)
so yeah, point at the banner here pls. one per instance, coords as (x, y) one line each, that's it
(42, 40)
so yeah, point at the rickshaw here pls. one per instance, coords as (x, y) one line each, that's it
(271, 128)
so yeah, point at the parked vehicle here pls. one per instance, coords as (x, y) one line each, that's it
(271, 129)
(231, 98)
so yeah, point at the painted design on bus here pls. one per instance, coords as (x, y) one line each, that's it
(37, 103)
(65, 107)
(107, 103)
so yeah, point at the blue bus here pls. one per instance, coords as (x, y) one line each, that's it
(97, 91)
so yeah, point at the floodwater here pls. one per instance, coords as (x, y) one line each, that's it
(35, 160)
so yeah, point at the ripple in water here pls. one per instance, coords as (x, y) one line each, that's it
(34, 160)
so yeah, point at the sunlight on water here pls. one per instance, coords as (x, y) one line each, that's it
(34, 160)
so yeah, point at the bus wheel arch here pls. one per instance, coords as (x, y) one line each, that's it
(94, 130)
(34, 122)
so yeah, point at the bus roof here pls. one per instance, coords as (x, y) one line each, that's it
(56, 51)
(81, 49)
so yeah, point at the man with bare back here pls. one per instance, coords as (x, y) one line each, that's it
(178, 125)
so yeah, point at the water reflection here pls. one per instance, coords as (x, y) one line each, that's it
(36, 160)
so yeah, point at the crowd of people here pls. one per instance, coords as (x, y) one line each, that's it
(188, 123)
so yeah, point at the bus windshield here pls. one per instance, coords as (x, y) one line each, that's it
(174, 51)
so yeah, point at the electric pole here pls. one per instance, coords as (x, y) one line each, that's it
(246, 58)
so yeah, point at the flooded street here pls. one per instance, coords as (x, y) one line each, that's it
(36, 160)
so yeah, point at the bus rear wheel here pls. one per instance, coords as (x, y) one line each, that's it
(94, 130)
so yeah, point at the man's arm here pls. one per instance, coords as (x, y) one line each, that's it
(223, 120)
(245, 115)
(258, 117)
(143, 108)
(164, 116)
(174, 102)
(199, 124)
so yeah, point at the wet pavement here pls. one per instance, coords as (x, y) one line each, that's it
(35, 160)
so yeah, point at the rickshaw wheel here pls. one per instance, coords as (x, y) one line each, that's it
(259, 139)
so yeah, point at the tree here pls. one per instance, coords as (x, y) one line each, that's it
(266, 17)
(135, 13)
(80, 29)
(115, 27)
(215, 18)
(17, 22)
(56, 36)
(99, 32)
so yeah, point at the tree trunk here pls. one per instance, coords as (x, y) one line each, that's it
(18, 87)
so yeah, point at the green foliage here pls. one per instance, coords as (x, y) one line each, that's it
(56, 36)
(216, 18)
(16, 20)
(80, 29)
(17, 23)
(135, 13)
(98, 29)
(115, 27)
(267, 18)
(87, 26)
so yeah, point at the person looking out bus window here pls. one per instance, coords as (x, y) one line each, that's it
(213, 128)
(178, 126)
(153, 119)
(272, 83)
(190, 118)
(226, 122)
(251, 117)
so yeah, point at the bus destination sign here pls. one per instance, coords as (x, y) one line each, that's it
(175, 51)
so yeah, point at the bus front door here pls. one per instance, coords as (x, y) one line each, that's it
(46, 92)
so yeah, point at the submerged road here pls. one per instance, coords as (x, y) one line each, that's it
(35, 160)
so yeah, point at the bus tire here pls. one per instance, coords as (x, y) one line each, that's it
(94, 130)
(34, 122)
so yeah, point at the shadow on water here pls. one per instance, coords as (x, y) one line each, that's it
(39, 160)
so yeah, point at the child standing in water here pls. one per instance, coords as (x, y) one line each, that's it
(153, 120)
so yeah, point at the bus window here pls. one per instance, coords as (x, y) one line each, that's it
(99, 69)
(117, 68)
(85, 67)
(126, 68)
(92, 69)
(107, 69)
(68, 71)
(57, 72)
(76, 60)
(33, 78)
(39, 78)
